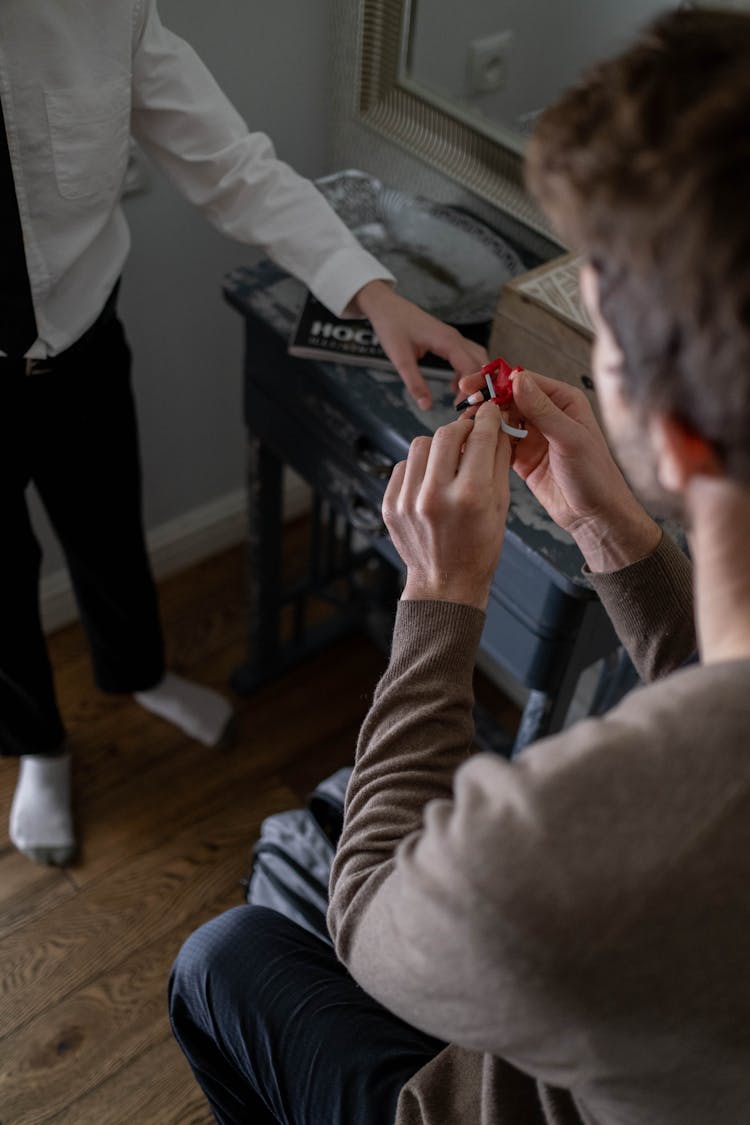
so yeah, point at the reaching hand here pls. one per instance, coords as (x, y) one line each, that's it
(445, 508)
(406, 333)
(567, 464)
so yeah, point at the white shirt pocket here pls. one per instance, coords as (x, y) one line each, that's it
(89, 132)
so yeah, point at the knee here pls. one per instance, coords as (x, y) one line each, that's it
(204, 961)
(219, 962)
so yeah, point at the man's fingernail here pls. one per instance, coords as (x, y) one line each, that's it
(424, 402)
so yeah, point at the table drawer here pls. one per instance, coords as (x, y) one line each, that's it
(351, 474)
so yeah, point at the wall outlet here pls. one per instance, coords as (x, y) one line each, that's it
(487, 62)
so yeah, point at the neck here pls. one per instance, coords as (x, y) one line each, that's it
(720, 541)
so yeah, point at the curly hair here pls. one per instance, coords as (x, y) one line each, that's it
(644, 168)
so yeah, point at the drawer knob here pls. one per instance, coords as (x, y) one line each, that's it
(373, 461)
(363, 518)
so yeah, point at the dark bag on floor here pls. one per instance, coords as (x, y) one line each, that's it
(292, 859)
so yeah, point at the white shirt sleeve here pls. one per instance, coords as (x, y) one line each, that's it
(190, 129)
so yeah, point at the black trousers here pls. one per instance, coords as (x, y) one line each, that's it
(70, 428)
(276, 1030)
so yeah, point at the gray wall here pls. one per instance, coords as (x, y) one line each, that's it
(272, 60)
(552, 43)
(357, 146)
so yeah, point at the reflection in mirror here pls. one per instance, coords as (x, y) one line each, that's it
(416, 60)
(496, 63)
(428, 132)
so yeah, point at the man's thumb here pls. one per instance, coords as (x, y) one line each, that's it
(537, 407)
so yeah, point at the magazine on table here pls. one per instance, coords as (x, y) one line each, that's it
(320, 335)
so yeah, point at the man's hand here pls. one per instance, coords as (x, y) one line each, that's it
(406, 333)
(445, 508)
(567, 464)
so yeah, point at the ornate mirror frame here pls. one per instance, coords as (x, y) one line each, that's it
(428, 130)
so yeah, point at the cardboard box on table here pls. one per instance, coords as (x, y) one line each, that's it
(540, 323)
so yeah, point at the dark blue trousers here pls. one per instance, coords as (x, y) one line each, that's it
(276, 1030)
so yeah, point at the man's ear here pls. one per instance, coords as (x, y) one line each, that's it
(681, 453)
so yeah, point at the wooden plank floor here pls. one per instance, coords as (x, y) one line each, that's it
(165, 827)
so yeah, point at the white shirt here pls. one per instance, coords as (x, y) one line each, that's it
(77, 77)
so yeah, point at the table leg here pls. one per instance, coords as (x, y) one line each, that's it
(535, 721)
(333, 570)
(545, 711)
(263, 566)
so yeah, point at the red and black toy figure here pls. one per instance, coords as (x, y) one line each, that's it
(499, 389)
(497, 374)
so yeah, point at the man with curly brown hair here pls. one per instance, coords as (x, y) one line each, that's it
(559, 940)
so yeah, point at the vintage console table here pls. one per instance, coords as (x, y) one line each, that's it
(342, 428)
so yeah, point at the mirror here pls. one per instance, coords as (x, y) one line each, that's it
(495, 64)
(417, 61)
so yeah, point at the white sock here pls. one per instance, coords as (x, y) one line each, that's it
(199, 711)
(41, 820)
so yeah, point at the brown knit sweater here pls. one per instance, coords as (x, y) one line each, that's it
(575, 924)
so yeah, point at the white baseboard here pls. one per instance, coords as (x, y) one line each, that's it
(178, 543)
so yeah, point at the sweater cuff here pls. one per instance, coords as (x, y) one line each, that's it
(442, 636)
(657, 589)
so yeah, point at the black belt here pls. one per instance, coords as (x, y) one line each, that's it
(42, 366)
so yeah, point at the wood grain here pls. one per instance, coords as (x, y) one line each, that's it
(85, 1041)
(130, 907)
(166, 828)
(27, 891)
(156, 1088)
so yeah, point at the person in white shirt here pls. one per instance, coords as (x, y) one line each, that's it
(76, 81)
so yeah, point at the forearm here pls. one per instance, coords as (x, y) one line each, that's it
(367, 300)
(617, 539)
(417, 733)
(191, 130)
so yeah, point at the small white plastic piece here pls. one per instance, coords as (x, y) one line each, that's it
(512, 431)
